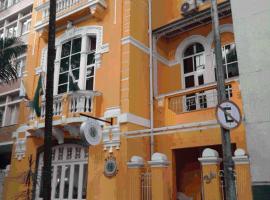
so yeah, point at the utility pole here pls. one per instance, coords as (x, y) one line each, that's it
(228, 164)
(47, 169)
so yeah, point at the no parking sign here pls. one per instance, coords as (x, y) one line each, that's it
(228, 115)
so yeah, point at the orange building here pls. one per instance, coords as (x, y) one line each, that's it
(160, 93)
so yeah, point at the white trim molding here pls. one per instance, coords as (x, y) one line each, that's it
(134, 119)
(145, 49)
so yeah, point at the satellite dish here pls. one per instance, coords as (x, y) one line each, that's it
(91, 132)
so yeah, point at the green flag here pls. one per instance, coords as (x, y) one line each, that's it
(37, 98)
(72, 85)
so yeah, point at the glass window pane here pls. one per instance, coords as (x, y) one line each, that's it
(89, 83)
(66, 49)
(189, 81)
(90, 58)
(75, 61)
(190, 102)
(62, 89)
(201, 80)
(93, 43)
(76, 45)
(202, 100)
(63, 78)
(75, 181)
(76, 73)
(199, 48)
(90, 72)
(189, 51)
(199, 62)
(85, 175)
(230, 51)
(188, 65)
(64, 66)
(66, 181)
(233, 70)
(58, 181)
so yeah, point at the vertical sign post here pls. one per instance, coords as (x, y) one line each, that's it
(230, 190)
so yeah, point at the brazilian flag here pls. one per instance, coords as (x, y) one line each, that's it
(37, 98)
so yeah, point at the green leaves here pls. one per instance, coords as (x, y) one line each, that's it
(10, 49)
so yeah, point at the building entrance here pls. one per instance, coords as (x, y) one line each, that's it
(69, 172)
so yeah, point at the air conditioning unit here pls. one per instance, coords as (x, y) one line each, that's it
(189, 7)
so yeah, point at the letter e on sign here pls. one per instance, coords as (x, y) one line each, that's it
(228, 115)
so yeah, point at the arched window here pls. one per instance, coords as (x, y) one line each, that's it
(193, 74)
(194, 64)
(69, 172)
(74, 56)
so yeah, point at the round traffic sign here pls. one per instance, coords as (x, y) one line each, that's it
(228, 115)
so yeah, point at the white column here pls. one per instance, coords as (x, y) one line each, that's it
(83, 63)
(57, 69)
(5, 28)
(19, 26)
(5, 112)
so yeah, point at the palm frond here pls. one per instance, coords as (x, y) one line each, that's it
(10, 49)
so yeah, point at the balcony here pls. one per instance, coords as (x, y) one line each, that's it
(66, 107)
(193, 105)
(18, 6)
(67, 8)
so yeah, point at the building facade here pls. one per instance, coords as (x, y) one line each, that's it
(15, 21)
(253, 67)
(152, 79)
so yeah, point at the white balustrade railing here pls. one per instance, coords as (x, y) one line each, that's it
(196, 101)
(62, 5)
(79, 101)
(57, 106)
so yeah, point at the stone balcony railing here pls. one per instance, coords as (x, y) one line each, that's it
(65, 8)
(69, 105)
(194, 104)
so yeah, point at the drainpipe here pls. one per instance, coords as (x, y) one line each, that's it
(151, 77)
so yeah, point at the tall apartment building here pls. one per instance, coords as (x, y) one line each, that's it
(159, 94)
(252, 38)
(15, 21)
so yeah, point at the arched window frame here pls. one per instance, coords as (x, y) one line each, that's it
(84, 33)
(179, 55)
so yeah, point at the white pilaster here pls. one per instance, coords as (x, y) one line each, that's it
(57, 69)
(83, 63)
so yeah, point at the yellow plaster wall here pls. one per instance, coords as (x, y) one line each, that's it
(192, 138)
(167, 11)
(139, 82)
(14, 185)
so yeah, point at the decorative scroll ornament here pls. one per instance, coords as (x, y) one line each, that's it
(110, 166)
(91, 132)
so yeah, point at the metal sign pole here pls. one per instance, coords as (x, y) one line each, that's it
(230, 190)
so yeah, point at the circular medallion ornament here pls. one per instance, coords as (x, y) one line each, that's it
(110, 167)
(91, 132)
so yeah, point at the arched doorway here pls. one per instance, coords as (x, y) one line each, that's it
(69, 172)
